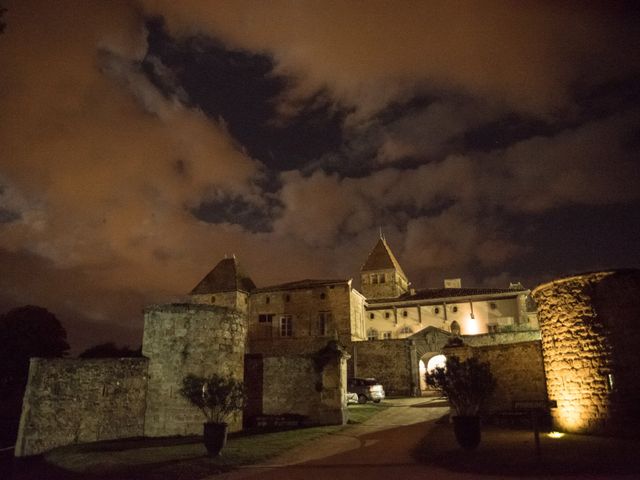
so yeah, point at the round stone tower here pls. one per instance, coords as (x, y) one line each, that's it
(182, 339)
(590, 328)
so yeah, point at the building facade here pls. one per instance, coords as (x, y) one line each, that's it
(391, 330)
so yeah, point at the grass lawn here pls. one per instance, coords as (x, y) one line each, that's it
(171, 458)
(359, 413)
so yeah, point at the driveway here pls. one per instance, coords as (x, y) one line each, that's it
(376, 449)
(381, 449)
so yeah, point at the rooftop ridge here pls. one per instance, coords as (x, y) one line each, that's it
(381, 257)
(226, 276)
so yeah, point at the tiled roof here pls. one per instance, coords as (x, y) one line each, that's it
(226, 276)
(436, 293)
(381, 258)
(300, 284)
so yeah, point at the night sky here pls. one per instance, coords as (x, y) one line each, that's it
(141, 141)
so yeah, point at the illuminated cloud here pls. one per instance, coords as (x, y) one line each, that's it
(455, 130)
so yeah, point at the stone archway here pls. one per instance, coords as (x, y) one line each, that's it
(429, 343)
(427, 363)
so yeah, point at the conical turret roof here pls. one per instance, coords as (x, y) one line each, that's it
(382, 258)
(226, 276)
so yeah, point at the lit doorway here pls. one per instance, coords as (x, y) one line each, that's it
(434, 361)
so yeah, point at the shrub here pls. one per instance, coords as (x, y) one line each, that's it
(216, 396)
(466, 384)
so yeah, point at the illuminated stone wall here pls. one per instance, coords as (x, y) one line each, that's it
(393, 363)
(182, 339)
(590, 336)
(297, 384)
(304, 306)
(80, 400)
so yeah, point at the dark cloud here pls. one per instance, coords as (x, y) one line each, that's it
(493, 143)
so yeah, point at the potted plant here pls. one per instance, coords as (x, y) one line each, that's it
(217, 397)
(466, 384)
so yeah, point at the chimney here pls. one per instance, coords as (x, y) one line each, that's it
(452, 283)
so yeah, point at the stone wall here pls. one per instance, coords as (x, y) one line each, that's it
(298, 384)
(304, 306)
(77, 401)
(392, 362)
(182, 339)
(286, 346)
(519, 374)
(590, 336)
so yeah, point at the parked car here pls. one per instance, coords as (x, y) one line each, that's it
(366, 389)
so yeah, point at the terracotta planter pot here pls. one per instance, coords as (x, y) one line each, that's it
(467, 431)
(215, 437)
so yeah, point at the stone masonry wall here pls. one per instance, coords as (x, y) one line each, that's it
(519, 374)
(392, 362)
(77, 401)
(302, 390)
(298, 384)
(589, 325)
(182, 339)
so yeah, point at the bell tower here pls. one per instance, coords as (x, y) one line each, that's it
(381, 275)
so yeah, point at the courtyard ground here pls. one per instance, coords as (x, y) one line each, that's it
(408, 440)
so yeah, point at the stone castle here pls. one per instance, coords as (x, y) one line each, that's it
(294, 345)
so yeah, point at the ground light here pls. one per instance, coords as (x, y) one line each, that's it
(555, 434)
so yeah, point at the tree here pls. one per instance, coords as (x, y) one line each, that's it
(216, 396)
(110, 350)
(465, 383)
(27, 332)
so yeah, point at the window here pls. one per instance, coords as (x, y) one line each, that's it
(382, 278)
(286, 326)
(213, 299)
(323, 296)
(404, 313)
(287, 298)
(454, 309)
(267, 300)
(372, 334)
(493, 305)
(386, 335)
(265, 318)
(374, 278)
(372, 316)
(455, 328)
(324, 318)
(405, 331)
(387, 314)
(436, 310)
